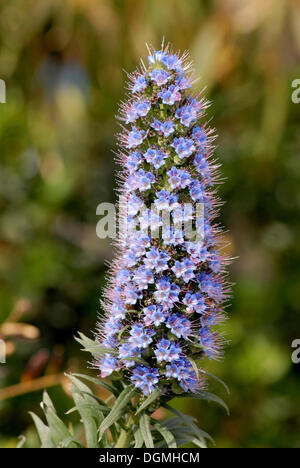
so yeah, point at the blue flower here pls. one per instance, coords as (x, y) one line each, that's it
(167, 350)
(166, 288)
(157, 260)
(207, 339)
(154, 315)
(178, 178)
(126, 350)
(157, 56)
(180, 326)
(143, 278)
(170, 95)
(187, 114)
(108, 364)
(160, 76)
(156, 124)
(140, 84)
(135, 137)
(166, 201)
(167, 128)
(172, 62)
(184, 147)
(140, 337)
(145, 378)
(183, 82)
(130, 294)
(197, 191)
(134, 205)
(184, 269)
(199, 136)
(133, 161)
(182, 371)
(155, 157)
(166, 293)
(145, 180)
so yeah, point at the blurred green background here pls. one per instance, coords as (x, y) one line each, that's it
(63, 66)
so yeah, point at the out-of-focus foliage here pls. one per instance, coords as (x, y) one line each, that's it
(63, 67)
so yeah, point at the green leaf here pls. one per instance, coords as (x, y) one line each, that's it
(43, 432)
(145, 431)
(188, 421)
(184, 434)
(117, 409)
(87, 408)
(166, 434)
(100, 382)
(47, 401)
(204, 395)
(91, 346)
(59, 433)
(150, 399)
(218, 380)
(138, 438)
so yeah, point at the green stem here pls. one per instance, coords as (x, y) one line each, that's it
(125, 436)
(124, 439)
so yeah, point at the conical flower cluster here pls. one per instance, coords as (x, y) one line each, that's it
(166, 289)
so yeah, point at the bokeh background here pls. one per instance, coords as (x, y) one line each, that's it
(63, 64)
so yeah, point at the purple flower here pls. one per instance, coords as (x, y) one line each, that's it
(130, 294)
(183, 82)
(154, 315)
(170, 95)
(137, 109)
(156, 124)
(199, 136)
(166, 293)
(172, 62)
(134, 205)
(160, 76)
(166, 287)
(135, 137)
(133, 161)
(167, 128)
(184, 147)
(157, 56)
(187, 114)
(126, 351)
(166, 201)
(207, 339)
(167, 350)
(180, 326)
(157, 260)
(145, 378)
(108, 364)
(155, 157)
(210, 285)
(143, 278)
(182, 371)
(140, 337)
(197, 191)
(140, 84)
(145, 180)
(178, 178)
